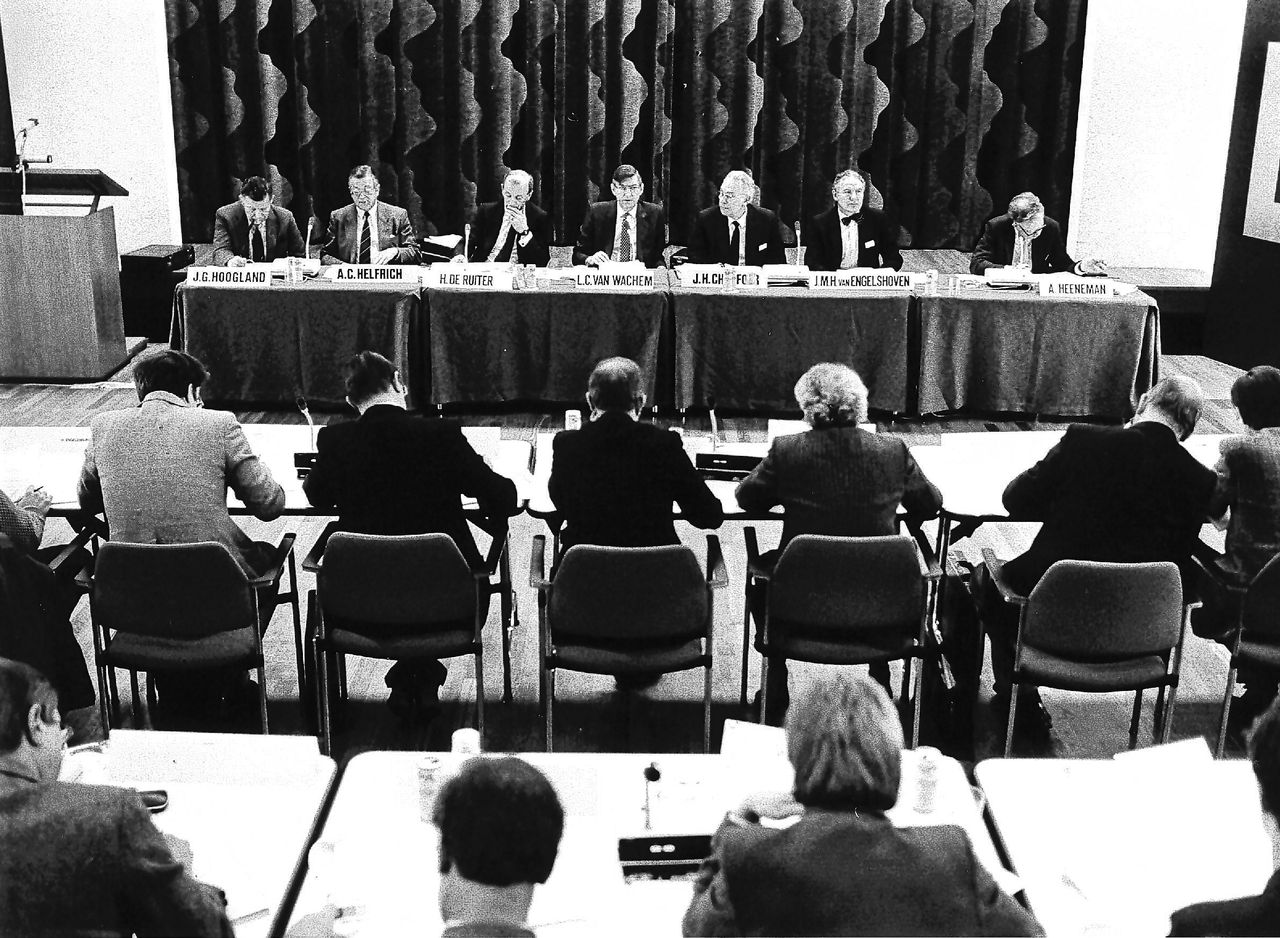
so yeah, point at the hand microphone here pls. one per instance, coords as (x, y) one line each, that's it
(651, 775)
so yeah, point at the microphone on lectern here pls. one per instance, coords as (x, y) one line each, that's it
(306, 245)
(651, 774)
(466, 242)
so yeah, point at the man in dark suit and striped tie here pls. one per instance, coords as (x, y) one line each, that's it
(623, 230)
(251, 230)
(369, 231)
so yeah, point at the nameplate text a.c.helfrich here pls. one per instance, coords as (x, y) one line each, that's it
(376, 272)
(860, 280)
(228, 276)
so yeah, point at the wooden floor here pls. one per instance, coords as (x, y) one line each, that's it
(592, 714)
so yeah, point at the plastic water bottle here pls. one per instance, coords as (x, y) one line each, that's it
(926, 779)
(931, 282)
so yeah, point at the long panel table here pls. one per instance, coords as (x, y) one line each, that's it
(1115, 846)
(268, 345)
(246, 806)
(994, 350)
(385, 848)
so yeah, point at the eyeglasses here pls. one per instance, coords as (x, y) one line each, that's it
(629, 187)
(363, 190)
(849, 192)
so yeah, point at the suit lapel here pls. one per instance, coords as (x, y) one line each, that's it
(272, 227)
(611, 226)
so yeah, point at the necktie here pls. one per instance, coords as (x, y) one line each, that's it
(848, 220)
(256, 251)
(735, 242)
(363, 256)
(624, 240)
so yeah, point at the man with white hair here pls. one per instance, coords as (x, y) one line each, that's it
(736, 232)
(1025, 237)
(513, 229)
(850, 233)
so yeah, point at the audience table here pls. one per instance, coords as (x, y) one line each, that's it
(266, 345)
(1115, 846)
(996, 350)
(540, 345)
(246, 806)
(385, 849)
(745, 350)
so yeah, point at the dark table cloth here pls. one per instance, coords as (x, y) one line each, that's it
(746, 350)
(993, 350)
(267, 345)
(540, 345)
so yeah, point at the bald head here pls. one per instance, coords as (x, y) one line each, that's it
(615, 384)
(1023, 205)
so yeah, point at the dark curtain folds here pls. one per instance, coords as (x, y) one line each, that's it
(950, 106)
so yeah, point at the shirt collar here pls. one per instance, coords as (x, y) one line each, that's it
(164, 397)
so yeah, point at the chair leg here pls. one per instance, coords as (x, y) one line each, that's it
(1137, 717)
(549, 704)
(1158, 715)
(342, 676)
(137, 700)
(916, 690)
(506, 651)
(115, 695)
(296, 598)
(706, 709)
(150, 698)
(262, 698)
(764, 689)
(103, 695)
(480, 694)
(1166, 712)
(1013, 710)
(323, 659)
(1226, 710)
(746, 644)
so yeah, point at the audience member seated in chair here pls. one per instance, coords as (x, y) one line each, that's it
(1252, 915)
(500, 823)
(834, 479)
(160, 472)
(81, 859)
(391, 473)
(1121, 495)
(1248, 495)
(843, 868)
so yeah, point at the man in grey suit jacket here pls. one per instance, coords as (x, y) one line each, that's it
(82, 859)
(252, 230)
(390, 234)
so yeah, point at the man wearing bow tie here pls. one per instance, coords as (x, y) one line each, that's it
(251, 230)
(736, 232)
(849, 234)
(511, 230)
(623, 230)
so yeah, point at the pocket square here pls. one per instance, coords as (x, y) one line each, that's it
(869, 244)
(763, 246)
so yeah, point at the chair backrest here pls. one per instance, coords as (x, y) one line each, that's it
(415, 579)
(1262, 602)
(171, 590)
(629, 593)
(847, 584)
(1093, 611)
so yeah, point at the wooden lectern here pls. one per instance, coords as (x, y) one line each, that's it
(60, 316)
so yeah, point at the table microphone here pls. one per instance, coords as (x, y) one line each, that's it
(306, 412)
(651, 774)
(715, 424)
(466, 242)
(306, 246)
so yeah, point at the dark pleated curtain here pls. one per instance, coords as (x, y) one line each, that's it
(950, 106)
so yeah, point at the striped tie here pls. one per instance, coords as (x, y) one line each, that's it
(363, 257)
(624, 240)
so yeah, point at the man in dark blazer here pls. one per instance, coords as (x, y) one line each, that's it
(511, 230)
(252, 230)
(615, 479)
(1122, 495)
(736, 232)
(1026, 237)
(623, 230)
(390, 237)
(1251, 915)
(849, 234)
(82, 859)
(390, 473)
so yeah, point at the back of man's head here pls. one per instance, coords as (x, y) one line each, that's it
(1177, 399)
(615, 385)
(21, 688)
(368, 374)
(500, 822)
(170, 371)
(1264, 752)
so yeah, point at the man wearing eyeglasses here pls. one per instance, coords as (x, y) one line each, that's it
(251, 230)
(1024, 237)
(513, 229)
(850, 234)
(736, 232)
(369, 231)
(82, 859)
(623, 230)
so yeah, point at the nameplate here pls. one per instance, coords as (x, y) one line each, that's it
(713, 276)
(228, 276)
(859, 280)
(458, 277)
(376, 272)
(1081, 287)
(615, 279)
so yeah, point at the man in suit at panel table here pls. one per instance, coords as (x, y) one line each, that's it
(511, 230)
(615, 479)
(623, 230)
(252, 230)
(1027, 238)
(390, 473)
(1117, 494)
(849, 234)
(80, 859)
(369, 231)
(736, 232)
(159, 472)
